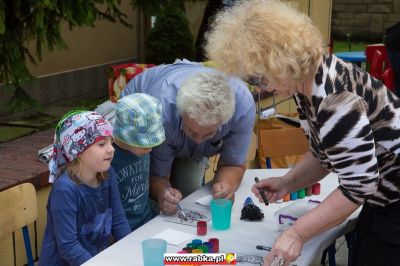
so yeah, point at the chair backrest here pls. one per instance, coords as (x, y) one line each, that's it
(376, 67)
(18, 207)
(371, 48)
(388, 79)
(282, 142)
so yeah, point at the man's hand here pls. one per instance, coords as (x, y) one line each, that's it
(223, 190)
(168, 199)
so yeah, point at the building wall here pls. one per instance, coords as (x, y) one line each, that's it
(364, 19)
(90, 46)
(81, 70)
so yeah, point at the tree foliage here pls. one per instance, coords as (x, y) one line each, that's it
(170, 38)
(154, 7)
(22, 21)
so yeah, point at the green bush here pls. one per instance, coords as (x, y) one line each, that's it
(170, 38)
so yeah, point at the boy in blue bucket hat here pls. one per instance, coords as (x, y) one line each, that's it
(137, 129)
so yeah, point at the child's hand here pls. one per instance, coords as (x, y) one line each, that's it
(168, 200)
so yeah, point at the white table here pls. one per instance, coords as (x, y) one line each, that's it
(241, 238)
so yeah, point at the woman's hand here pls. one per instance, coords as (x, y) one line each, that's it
(287, 248)
(275, 187)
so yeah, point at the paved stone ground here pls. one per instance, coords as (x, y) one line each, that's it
(341, 254)
(19, 163)
(19, 149)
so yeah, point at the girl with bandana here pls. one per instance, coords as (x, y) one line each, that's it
(84, 208)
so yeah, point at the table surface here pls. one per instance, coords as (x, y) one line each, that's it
(355, 56)
(241, 238)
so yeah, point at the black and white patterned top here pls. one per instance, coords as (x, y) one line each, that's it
(353, 127)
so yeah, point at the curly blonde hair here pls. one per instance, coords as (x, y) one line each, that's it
(264, 38)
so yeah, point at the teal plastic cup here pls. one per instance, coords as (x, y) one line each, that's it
(153, 250)
(221, 213)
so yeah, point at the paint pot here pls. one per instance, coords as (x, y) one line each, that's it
(316, 189)
(309, 191)
(301, 193)
(286, 198)
(215, 243)
(201, 228)
(293, 195)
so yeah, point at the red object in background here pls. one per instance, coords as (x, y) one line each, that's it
(201, 228)
(330, 47)
(215, 243)
(120, 75)
(388, 79)
(316, 189)
(371, 48)
(376, 65)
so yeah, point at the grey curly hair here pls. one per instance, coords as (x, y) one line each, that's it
(206, 98)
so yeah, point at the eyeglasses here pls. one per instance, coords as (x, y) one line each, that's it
(258, 82)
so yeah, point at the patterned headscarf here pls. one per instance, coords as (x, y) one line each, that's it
(76, 132)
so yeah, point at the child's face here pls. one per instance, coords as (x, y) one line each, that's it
(97, 158)
(139, 151)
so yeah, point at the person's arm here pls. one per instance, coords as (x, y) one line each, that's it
(64, 211)
(161, 158)
(227, 180)
(166, 196)
(305, 173)
(231, 165)
(120, 225)
(329, 213)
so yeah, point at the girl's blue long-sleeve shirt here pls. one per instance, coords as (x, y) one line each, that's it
(81, 220)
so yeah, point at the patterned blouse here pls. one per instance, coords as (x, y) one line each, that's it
(353, 127)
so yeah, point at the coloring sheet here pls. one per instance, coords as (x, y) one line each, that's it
(174, 237)
(192, 216)
(205, 201)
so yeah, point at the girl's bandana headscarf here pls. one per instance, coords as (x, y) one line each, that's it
(76, 132)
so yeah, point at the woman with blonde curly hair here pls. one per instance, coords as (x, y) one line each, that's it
(350, 119)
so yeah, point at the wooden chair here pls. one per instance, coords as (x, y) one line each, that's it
(282, 142)
(18, 207)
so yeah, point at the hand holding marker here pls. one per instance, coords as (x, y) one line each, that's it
(262, 192)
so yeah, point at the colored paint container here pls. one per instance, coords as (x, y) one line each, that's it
(191, 245)
(316, 189)
(293, 195)
(301, 193)
(215, 243)
(210, 246)
(197, 250)
(187, 249)
(204, 248)
(308, 191)
(197, 242)
(201, 228)
(286, 198)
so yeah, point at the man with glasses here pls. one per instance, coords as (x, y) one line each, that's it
(204, 113)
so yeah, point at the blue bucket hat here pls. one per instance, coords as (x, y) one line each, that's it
(138, 121)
